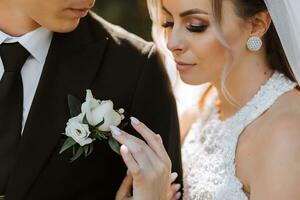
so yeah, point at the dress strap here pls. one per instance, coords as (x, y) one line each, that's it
(276, 86)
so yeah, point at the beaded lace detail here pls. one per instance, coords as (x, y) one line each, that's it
(208, 152)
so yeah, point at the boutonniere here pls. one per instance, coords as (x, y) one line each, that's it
(90, 121)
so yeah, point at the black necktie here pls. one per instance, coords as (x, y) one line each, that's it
(13, 56)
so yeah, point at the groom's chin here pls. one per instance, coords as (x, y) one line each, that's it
(62, 25)
(66, 27)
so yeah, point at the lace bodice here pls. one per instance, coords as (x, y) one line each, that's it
(208, 152)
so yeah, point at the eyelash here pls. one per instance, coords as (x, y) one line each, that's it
(191, 28)
(167, 24)
(197, 28)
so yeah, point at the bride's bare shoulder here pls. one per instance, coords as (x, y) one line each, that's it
(278, 159)
(283, 118)
(285, 111)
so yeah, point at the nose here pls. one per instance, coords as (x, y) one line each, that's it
(175, 42)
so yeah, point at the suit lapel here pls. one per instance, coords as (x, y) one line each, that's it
(71, 65)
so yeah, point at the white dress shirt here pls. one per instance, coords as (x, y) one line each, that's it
(37, 43)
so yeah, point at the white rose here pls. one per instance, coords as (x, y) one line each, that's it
(96, 111)
(78, 131)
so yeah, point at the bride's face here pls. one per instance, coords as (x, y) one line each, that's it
(197, 51)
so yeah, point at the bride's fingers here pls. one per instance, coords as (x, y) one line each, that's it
(178, 195)
(140, 151)
(148, 161)
(174, 190)
(174, 175)
(153, 140)
(125, 189)
(131, 164)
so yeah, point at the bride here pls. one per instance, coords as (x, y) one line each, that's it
(244, 140)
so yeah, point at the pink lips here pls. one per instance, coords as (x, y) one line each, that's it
(80, 12)
(181, 66)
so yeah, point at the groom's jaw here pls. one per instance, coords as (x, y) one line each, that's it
(22, 16)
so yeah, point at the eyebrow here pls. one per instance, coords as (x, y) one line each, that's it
(193, 11)
(188, 12)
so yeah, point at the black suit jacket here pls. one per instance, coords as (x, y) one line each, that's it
(115, 65)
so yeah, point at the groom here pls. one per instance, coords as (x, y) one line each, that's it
(50, 49)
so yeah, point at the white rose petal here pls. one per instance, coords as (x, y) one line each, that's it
(89, 95)
(98, 114)
(78, 131)
(77, 119)
(96, 111)
(105, 111)
(110, 119)
(90, 103)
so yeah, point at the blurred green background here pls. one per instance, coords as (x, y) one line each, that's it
(130, 14)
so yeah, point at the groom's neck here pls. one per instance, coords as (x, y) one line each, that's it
(13, 21)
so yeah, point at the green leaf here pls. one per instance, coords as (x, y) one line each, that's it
(67, 144)
(74, 149)
(74, 105)
(114, 145)
(90, 149)
(84, 120)
(86, 150)
(101, 123)
(100, 135)
(103, 136)
(78, 154)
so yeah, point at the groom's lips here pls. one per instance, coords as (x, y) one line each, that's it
(82, 12)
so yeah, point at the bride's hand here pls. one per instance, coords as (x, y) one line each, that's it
(148, 164)
(124, 192)
(174, 190)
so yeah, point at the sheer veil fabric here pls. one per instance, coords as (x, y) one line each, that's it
(286, 18)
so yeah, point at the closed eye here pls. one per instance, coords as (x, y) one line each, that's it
(196, 28)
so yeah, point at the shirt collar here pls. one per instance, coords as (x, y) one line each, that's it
(36, 42)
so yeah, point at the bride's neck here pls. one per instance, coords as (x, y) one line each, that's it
(242, 84)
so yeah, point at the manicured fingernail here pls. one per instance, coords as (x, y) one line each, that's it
(124, 150)
(178, 195)
(115, 130)
(177, 187)
(174, 175)
(135, 120)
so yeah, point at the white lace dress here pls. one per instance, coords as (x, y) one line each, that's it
(208, 152)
